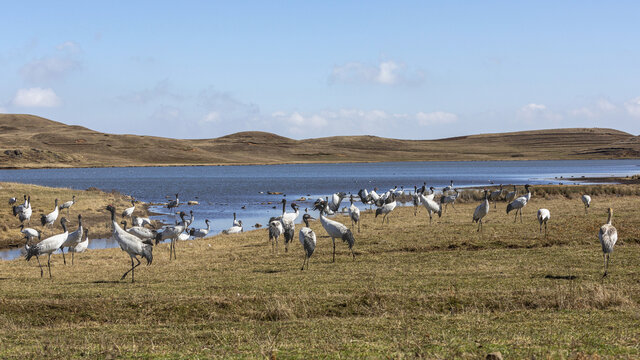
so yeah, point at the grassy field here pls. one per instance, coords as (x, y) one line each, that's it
(29, 141)
(90, 203)
(414, 290)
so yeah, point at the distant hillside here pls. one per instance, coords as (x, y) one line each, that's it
(28, 141)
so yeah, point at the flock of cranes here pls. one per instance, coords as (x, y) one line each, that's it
(139, 239)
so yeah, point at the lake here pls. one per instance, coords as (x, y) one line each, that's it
(223, 190)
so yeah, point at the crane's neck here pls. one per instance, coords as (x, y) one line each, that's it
(306, 222)
(609, 218)
(207, 225)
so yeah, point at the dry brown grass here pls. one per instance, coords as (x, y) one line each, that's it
(46, 143)
(440, 291)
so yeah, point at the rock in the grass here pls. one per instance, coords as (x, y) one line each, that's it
(494, 356)
(192, 202)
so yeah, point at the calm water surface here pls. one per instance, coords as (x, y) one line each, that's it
(223, 190)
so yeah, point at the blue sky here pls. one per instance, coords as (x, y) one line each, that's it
(417, 70)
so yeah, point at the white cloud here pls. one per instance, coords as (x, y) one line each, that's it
(54, 67)
(385, 73)
(600, 108)
(534, 113)
(211, 117)
(434, 118)
(36, 97)
(633, 107)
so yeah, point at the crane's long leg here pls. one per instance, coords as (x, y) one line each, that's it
(520, 216)
(303, 261)
(545, 229)
(358, 225)
(353, 254)
(41, 272)
(515, 220)
(49, 265)
(72, 256)
(604, 255)
(63, 258)
(334, 249)
(132, 268)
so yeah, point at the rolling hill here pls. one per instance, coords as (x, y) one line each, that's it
(28, 141)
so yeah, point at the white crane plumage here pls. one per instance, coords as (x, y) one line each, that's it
(141, 221)
(307, 239)
(448, 188)
(387, 207)
(73, 239)
(288, 222)
(234, 229)
(586, 200)
(141, 232)
(50, 218)
(511, 195)
(130, 244)
(415, 197)
(481, 211)
(519, 203)
(173, 203)
(354, 214)
(128, 212)
(67, 205)
(449, 199)
(431, 206)
(47, 246)
(608, 236)
(172, 233)
(81, 246)
(335, 230)
(543, 216)
(29, 233)
(200, 233)
(336, 199)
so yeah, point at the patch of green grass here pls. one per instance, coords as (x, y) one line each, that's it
(414, 290)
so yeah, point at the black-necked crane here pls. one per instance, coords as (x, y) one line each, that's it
(275, 230)
(365, 197)
(519, 203)
(200, 233)
(48, 246)
(173, 203)
(141, 221)
(386, 208)
(81, 246)
(50, 218)
(19, 208)
(449, 199)
(336, 199)
(142, 232)
(586, 200)
(172, 233)
(12, 201)
(189, 221)
(354, 213)
(415, 197)
(608, 236)
(73, 239)
(431, 206)
(67, 205)
(235, 221)
(128, 212)
(511, 195)
(448, 188)
(29, 233)
(234, 229)
(307, 239)
(481, 210)
(495, 196)
(543, 216)
(130, 244)
(288, 222)
(335, 230)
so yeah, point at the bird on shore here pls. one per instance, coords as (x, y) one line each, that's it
(608, 236)
(481, 210)
(23, 212)
(415, 197)
(354, 214)
(307, 239)
(336, 199)
(235, 221)
(543, 216)
(47, 246)
(431, 206)
(81, 246)
(275, 230)
(141, 232)
(129, 211)
(67, 205)
(335, 230)
(130, 244)
(29, 233)
(12, 201)
(449, 199)
(50, 218)
(511, 195)
(141, 221)
(19, 208)
(586, 200)
(387, 207)
(234, 229)
(520, 203)
(200, 233)
(173, 203)
(288, 222)
(448, 188)
(495, 196)
(172, 233)
(189, 221)
(73, 239)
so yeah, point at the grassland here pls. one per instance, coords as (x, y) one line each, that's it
(414, 290)
(90, 203)
(28, 141)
